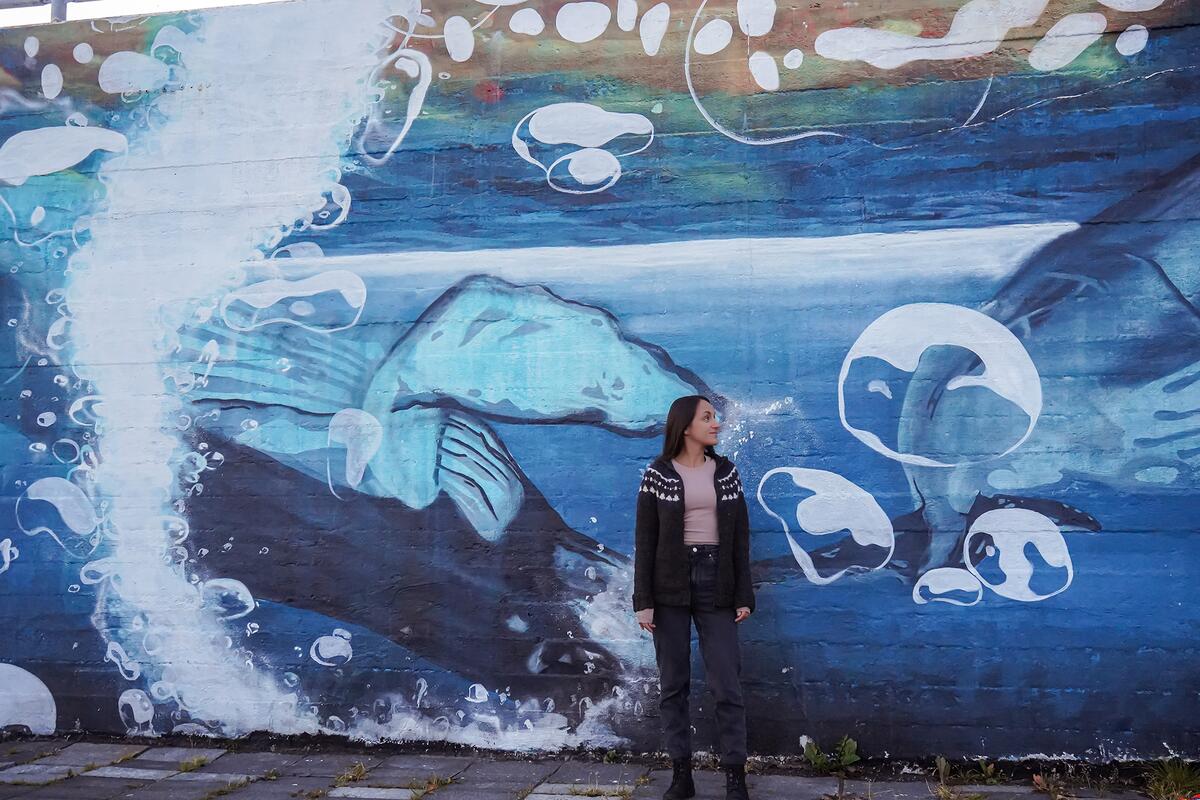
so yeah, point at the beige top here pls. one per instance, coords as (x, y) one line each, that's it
(699, 502)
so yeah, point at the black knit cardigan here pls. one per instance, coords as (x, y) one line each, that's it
(660, 565)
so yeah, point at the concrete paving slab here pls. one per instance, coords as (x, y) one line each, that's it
(9, 792)
(803, 787)
(330, 765)
(420, 766)
(886, 790)
(583, 772)
(574, 789)
(82, 754)
(35, 773)
(370, 793)
(251, 763)
(509, 773)
(177, 755)
(84, 788)
(467, 792)
(176, 790)
(210, 777)
(998, 789)
(21, 752)
(131, 773)
(281, 789)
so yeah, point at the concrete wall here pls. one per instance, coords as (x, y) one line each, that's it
(339, 331)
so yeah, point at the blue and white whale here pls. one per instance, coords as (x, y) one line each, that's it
(381, 463)
(1110, 314)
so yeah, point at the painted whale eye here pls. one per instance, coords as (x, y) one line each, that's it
(971, 391)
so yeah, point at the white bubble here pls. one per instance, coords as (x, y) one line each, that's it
(129, 668)
(135, 709)
(75, 512)
(31, 46)
(756, 17)
(1066, 40)
(332, 650)
(999, 541)
(582, 21)
(335, 298)
(653, 27)
(83, 53)
(46, 419)
(25, 701)
(901, 336)
(836, 506)
(125, 71)
(52, 81)
(459, 38)
(361, 434)
(764, 70)
(1133, 40)
(8, 554)
(592, 165)
(793, 59)
(714, 37)
(591, 128)
(226, 598)
(302, 308)
(527, 21)
(948, 585)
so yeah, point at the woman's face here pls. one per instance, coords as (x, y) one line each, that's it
(704, 427)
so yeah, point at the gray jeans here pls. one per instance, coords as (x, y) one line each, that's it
(722, 663)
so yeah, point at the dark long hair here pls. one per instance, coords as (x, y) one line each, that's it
(682, 412)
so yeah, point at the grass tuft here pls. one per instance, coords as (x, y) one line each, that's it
(1171, 779)
(192, 764)
(352, 775)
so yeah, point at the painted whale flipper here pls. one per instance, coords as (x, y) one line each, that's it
(294, 408)
(479, 475)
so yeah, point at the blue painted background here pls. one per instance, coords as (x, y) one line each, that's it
(1066, 210)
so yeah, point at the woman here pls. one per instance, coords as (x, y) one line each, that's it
(692, 563)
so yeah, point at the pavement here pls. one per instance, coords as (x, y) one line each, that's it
(59, 769)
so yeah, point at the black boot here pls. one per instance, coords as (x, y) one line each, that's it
(682, 786)
(735, 783)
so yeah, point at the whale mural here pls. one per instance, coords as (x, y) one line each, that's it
(337, 335)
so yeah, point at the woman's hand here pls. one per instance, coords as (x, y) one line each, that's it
(743, 614)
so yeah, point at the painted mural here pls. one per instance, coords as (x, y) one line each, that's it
(339, 331)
